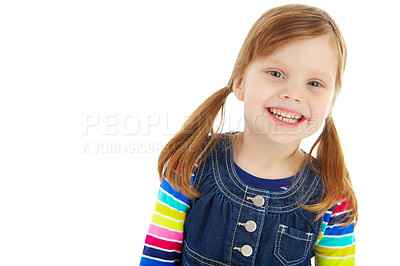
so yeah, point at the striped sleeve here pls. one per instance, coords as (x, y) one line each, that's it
(163, 244)
(336, 244)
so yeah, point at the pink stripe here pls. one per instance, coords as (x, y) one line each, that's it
(155, 242)
(341, 207)
(165, 233)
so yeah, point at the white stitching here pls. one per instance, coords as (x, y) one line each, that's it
(202, 257)
(259, 234)
(277, 195)
(224, 190)
(306, 196)
(278, 238)
(234, 231)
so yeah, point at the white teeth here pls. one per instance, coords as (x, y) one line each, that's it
(284, 116)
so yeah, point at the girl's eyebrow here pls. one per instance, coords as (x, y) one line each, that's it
(275, 61)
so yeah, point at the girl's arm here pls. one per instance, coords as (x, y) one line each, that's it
(335, 245)
(163, 244)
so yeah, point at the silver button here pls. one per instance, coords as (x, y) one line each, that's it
(246, 250)
(258, 200)
(250, 226)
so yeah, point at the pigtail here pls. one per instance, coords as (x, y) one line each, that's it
(334, 173)
(185, 149)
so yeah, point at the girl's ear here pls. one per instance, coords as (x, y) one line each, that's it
(238, 89)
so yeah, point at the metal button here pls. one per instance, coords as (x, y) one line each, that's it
(250, 226)
(246, 250)
(258, 200)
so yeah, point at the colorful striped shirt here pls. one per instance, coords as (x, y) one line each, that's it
(164, 240)
(336, 244)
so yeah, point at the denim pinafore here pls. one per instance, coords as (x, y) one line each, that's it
(235, 224)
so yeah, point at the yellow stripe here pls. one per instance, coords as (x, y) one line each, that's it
(319, 237)
(336, 252)
(165, 210)
(163, 221)
(332, 262)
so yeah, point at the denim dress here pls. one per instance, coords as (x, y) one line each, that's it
(235, 224)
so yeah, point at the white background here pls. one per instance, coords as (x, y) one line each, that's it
(91, 91)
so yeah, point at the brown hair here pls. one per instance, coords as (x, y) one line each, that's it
(275, 28)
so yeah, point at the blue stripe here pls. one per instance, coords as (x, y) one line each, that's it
(147, 261)
(337, 230)
(167, 187)
(326, 217)
(328, 214)
(161, 254)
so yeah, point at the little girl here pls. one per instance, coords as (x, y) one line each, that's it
(254, 197)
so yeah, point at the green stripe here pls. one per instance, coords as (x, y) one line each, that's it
(336, 241)
(172, 202)
(323, 227)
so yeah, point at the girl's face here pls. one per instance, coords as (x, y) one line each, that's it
(288, 94)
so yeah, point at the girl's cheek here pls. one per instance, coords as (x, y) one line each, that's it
(322, 107)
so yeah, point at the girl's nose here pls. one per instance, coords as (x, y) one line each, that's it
(291, 94)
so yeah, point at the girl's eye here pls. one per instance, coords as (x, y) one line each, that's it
(276, 74)
(314, 84)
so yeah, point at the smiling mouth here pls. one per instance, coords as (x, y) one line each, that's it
(285, 116)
